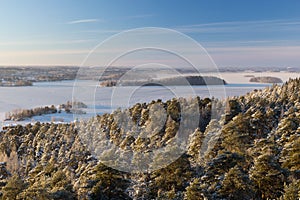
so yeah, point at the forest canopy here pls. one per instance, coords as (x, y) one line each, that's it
(250, 152)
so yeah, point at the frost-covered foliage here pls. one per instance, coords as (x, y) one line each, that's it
(251, 152)
(22, 114)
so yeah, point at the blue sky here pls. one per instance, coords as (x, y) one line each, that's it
(234, 32)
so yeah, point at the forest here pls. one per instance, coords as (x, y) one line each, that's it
(245, 147)
(266, 79)
(23, 114)
(170, 81)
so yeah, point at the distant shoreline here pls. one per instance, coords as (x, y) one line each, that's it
(27, 76)
(171, 81)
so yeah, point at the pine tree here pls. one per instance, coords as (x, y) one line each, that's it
(291, 154)
(292, 191)
(13, 188)
(173, 177)
(238, 135)
(195, 143)
(61, 187)
(35, 192)
(108, 184)
(267, 176)
(236, 185)
(194, 191)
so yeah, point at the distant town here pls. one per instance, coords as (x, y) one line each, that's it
(25, 76)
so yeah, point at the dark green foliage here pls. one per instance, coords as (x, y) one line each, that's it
(172, 179)
(291, 154)
(267, 176)
(173, 109)
(236, 185)
(194, 190)
(13, 188)
(233, 108)
(292, 191)
(238, 134)
(195, 143)
(108, 184)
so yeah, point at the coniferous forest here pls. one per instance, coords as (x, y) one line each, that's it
(251, 151)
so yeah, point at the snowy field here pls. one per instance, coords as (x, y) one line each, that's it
(101, 100)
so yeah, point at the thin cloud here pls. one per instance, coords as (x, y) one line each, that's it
(256, 43)
(44, 52)
(44, 42)
(232, 23)
(81, 21)
(106, 31)
(240, 26)
(139, 16)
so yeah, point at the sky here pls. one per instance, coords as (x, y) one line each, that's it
(235, 33)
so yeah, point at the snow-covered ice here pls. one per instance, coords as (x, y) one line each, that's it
(101, 100)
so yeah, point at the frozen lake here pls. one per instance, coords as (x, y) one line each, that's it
(101, 100)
